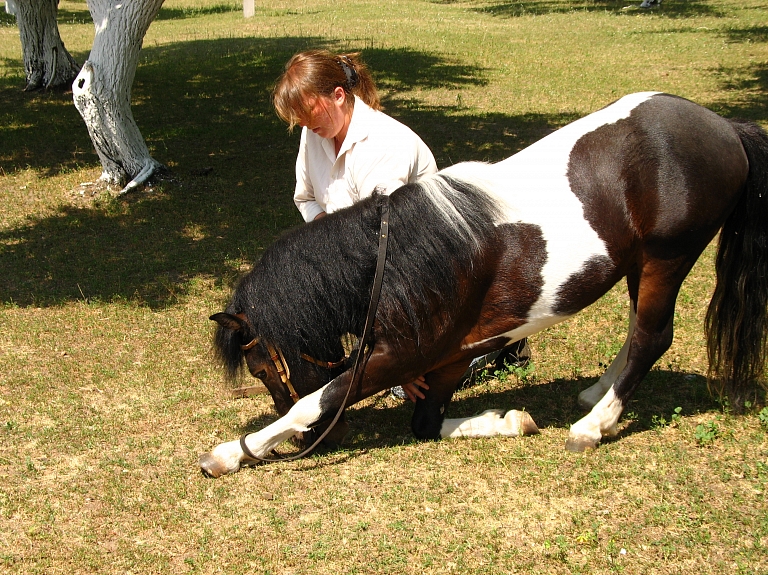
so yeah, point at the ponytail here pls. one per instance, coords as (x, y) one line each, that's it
(318, 73)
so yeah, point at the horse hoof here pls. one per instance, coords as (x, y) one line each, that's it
(212, 467)
(515, 423)
(527, 424)
(580, 444)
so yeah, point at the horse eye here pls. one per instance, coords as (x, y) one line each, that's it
(261, 375)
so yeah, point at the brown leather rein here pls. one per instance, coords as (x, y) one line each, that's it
(282, 366)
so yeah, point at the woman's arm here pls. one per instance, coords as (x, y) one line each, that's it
(304, 194)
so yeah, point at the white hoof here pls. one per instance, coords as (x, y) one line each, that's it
(518, 423)
(580, 444)
(222, 460)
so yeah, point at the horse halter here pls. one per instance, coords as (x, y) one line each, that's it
(282, 367)
(281, 364)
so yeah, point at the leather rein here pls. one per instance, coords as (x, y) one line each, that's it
(281, 365)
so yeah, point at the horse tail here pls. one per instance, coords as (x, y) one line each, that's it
(737, 318)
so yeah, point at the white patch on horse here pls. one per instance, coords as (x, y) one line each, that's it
(600, 422)
(533, 188)
(303, 414)
(590, 396)
(435, 187)
(490, 423)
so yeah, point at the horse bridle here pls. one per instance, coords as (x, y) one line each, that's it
(282, 366)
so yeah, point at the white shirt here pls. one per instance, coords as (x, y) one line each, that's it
(378, 151)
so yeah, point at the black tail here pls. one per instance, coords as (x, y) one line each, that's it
(737, 318)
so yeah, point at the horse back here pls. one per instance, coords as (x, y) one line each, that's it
(650, 174)
(671, 172)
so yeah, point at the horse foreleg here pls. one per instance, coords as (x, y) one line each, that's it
(429, 420)
(590, 396)
(489, 423)
(229, 457)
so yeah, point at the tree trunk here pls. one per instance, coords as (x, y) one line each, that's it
(47, 63)
(102, 89)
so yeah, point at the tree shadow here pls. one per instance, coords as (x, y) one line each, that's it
(43, 129)
(204, 109)
(70, 16)
(6, 19)
(405, 69)
(63, 16)
(197, 11)
(749, 82)
(516, 9)
(751, 85)
(750, 34)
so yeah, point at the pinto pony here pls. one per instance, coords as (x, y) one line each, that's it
(482, 255)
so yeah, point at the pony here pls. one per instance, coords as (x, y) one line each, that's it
(482, 255)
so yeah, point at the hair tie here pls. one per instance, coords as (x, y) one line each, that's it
(348, 68)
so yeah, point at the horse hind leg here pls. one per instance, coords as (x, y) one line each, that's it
(590, 396)
(650, 338)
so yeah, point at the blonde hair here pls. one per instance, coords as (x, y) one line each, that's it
(315, 73)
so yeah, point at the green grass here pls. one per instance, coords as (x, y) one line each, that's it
(108, 392)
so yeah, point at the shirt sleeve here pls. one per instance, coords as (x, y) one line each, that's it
(304, 194)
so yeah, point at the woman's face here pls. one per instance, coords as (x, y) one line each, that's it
(329, 117)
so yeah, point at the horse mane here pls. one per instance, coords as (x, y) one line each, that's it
(313, 284)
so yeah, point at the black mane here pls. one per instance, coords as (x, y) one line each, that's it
(313, 284)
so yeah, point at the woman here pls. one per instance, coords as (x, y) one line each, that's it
(348, 146)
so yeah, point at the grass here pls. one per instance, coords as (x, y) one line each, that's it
(108, 393)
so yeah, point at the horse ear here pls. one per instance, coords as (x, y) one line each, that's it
(228, 321)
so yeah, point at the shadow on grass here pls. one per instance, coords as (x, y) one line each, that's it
(7, 20)
(63, 16)
(552, 405)
(69, 16)
(197, 11)
(751, 34)
(751, 84)
(204, 109)
(669, 9)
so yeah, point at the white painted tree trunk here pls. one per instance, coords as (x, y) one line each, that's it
(47, 63)
(102, 89)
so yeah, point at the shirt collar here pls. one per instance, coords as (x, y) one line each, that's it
(359, 125)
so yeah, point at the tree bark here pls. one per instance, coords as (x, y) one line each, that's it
(102, 89)
(47, 63)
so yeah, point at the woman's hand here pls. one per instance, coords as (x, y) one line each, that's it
(413, 389)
